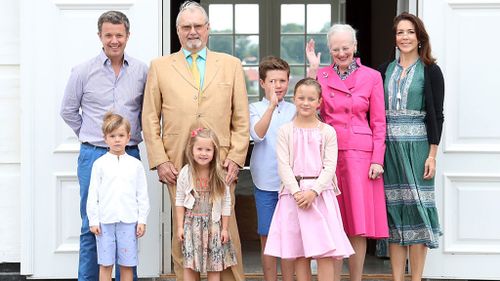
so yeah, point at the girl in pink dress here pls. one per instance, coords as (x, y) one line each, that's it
(307, 223)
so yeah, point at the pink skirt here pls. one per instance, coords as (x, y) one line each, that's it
(315, 232)
(362, 200)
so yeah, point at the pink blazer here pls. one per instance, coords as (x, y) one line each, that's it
(355, 108)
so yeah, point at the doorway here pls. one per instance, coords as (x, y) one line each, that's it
(371, 19)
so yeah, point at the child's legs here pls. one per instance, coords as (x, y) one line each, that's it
(287, 269)
(337, 269)
(325, 269)
(126, 273)
(126, 244)
(190, 275)
(268, 262)
(105, 272)
(303, 269)
(213, 276)
(265, 203)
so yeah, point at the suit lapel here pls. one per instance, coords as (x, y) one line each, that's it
(334, 82)
(212, 66)
(181, 66)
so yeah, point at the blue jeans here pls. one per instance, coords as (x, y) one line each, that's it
(88, 268)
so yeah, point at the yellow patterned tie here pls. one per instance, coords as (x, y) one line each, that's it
(194, 70)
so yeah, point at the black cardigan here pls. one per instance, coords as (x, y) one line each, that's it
(434, 99)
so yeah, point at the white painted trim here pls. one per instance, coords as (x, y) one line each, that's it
(93, 4)
(26, 11)
(471, 148)
(468, 4)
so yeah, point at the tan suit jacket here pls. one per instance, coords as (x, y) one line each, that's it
(172, 96)
(174, 106)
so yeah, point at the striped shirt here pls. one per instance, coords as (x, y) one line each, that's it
(94, 89)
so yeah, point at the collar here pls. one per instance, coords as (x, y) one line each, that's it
(201, 54)
(104, 59)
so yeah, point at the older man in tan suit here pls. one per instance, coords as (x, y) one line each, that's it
(177, 100)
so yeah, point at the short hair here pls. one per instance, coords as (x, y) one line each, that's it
(338, 28)
(114, 17)
(424, 51)
(308, 82)
(113, 121)
(190, 5)
(272, 63)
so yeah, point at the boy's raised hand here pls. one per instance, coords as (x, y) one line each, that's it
(95, 229)
(273, 99)
(141, 229)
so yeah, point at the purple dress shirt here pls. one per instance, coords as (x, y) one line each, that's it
(94, 88)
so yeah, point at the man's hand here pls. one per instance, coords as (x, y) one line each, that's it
(232, 171)
(167, 173)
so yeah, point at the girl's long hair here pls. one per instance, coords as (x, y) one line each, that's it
(216, 181)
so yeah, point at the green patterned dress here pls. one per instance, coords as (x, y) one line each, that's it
(411, 208)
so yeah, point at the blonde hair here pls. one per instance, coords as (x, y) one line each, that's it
(113, 121)
(217, 175)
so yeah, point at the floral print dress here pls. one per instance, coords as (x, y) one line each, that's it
(202, 247)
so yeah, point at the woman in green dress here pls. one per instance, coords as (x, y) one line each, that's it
(414, 94)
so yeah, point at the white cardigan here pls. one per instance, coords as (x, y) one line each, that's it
(184, 197)
(329, 149)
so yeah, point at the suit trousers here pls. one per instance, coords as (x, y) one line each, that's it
(233, 273)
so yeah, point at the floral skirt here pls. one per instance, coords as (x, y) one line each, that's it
(202, 247)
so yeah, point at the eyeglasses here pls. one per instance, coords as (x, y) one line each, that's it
(197, 27)
(344, 49)
(402, 33)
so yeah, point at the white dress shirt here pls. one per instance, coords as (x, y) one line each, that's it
(118, 191)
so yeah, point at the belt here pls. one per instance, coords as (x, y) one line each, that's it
(299, 178)
(106, 148)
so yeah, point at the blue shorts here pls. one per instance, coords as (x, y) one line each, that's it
(265, 202)
(117, 240)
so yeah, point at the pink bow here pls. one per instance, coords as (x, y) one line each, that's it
(195, 132)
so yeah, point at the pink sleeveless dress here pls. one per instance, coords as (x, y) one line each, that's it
(316, 232)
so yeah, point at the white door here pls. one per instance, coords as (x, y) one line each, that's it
(464, 37)
(56, 35)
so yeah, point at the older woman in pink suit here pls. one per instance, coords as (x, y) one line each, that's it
(353, 103)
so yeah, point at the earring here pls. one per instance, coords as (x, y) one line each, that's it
(419, 45)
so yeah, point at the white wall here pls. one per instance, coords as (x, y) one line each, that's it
(10, 112)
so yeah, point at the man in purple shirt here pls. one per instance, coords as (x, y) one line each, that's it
(112, 81)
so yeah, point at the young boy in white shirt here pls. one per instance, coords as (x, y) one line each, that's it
(266, 116)
(118, 203)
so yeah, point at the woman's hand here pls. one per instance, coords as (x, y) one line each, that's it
(429, 168)
(376, 171)
(313, 58)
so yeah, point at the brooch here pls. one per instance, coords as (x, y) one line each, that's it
(325, 74)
